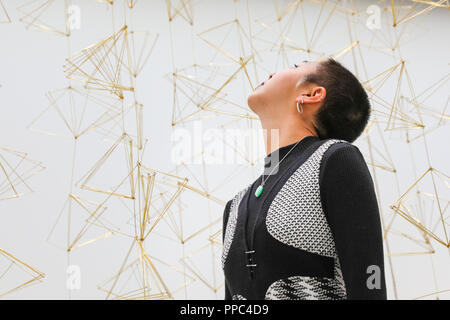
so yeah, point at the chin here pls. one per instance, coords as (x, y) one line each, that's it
(254, 100)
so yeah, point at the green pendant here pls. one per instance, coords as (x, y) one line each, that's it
(259, 191)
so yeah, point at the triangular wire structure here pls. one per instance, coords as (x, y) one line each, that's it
(101, 65)
(34, 16)
(15, 169)
(396, 119)
(141, 278)
(182, 9)
(403, 11)
(80, 112)
(432, 224)
(10, 264)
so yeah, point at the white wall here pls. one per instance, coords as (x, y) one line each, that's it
(31, 65)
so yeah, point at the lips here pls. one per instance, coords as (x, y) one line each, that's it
(260, 85)
(264, 82)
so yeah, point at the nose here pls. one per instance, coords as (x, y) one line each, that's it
(271, 75)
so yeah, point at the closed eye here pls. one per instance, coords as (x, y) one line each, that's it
(304, 61)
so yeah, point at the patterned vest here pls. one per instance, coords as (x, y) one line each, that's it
(296, 219)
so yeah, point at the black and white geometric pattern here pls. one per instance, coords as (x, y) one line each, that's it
(305, 288)
(231, 223)
(296, 218)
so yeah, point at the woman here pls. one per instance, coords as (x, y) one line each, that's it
(309, 227)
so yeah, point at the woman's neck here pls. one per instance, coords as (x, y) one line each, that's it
(276, 136)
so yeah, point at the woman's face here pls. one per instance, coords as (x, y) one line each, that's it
(280, 87)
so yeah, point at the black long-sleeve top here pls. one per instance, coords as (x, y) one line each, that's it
(258, 265)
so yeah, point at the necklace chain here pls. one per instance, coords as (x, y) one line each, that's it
(260, 188)
(264, 180)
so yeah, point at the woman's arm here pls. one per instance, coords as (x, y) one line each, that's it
(351, 208)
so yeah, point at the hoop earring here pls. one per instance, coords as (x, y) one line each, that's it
(301, 103)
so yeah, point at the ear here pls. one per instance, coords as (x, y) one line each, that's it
(316, 94)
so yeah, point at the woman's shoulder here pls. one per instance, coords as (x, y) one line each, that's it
(342, 157)
(339, 145)
(340, 150)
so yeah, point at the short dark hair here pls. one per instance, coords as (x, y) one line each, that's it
(346, 107)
